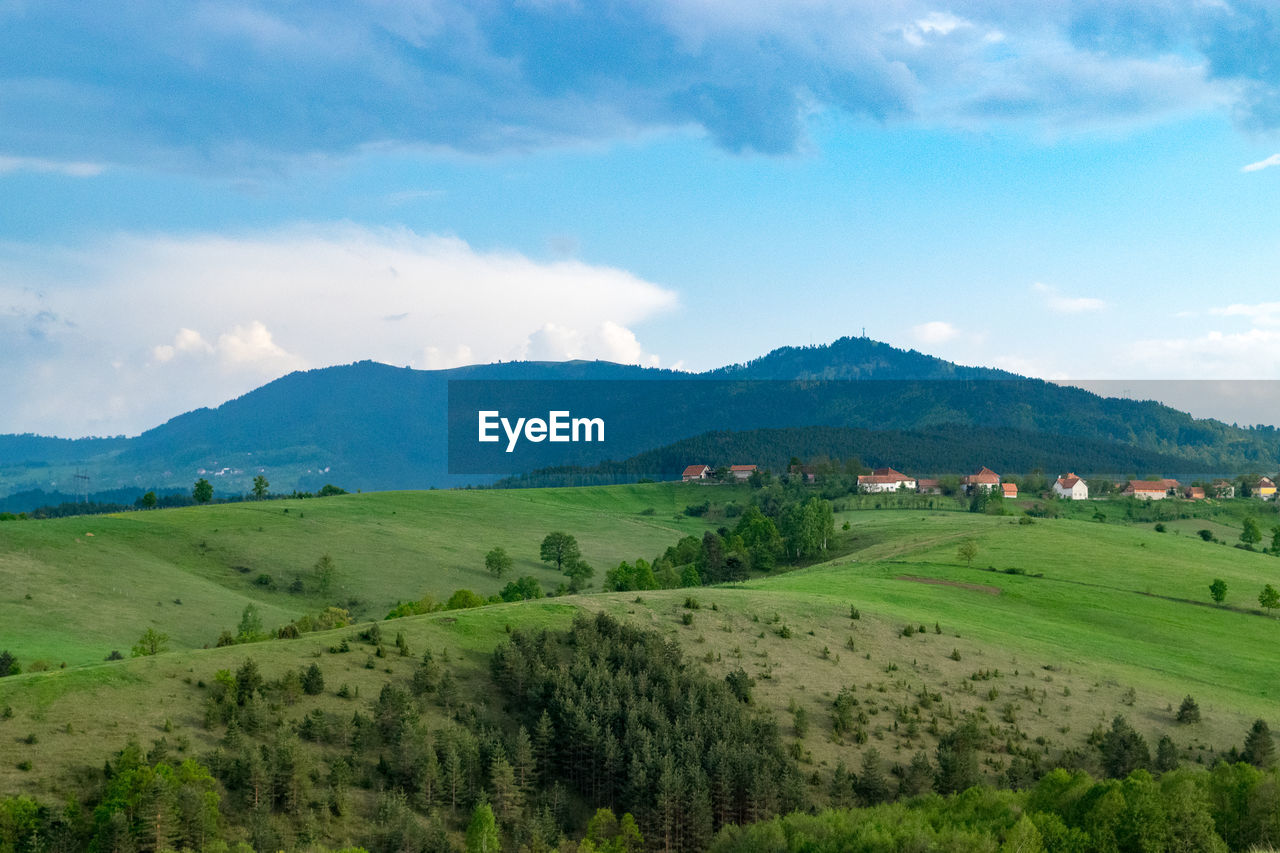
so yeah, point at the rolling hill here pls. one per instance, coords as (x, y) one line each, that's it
(372, 426)
(1056, 627)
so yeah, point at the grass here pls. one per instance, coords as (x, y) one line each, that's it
(1086, 613)
(76, 588)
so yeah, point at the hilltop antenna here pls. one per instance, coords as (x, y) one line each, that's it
(82, 484)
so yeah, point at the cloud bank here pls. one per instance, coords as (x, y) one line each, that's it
(250, 82)
(121, 335)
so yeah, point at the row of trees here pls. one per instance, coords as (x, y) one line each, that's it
(797, 530)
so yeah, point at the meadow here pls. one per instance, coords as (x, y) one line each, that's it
(1056, 627)
(78, 588)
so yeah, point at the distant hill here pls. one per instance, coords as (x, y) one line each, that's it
(374, 427)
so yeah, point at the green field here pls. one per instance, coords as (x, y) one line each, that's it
(1058, 625)
(76, 588)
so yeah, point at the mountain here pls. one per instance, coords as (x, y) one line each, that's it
(372, 426)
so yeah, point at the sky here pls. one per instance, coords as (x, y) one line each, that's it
(197, 198)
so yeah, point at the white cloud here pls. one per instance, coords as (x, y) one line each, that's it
(1252, 354)
(1273, 160)
(71, 169)
(195, 320)
(1260, 314)
(1067, 304)
(934, 332)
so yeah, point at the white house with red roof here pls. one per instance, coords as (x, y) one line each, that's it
(742, 472)
(1010, 489)
(885, 480)
(983, 480)
(1071, 488)
(695, 472)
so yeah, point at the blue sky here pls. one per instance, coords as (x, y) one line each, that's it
(197, 198)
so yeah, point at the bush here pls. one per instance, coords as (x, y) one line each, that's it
(1188, 711)
(1206, 534)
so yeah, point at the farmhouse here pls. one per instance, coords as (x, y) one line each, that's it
(984, 479)
(696, 472)
(742, 472)
(929, 487)
(1223, 489)
(1265, 488)
(1071, 487)
(1010, 489)
(1151, 490)
(1194, 493)
(885, 480)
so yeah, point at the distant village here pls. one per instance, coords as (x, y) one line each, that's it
(1068, 487)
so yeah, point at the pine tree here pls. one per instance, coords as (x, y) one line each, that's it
(313, 681)
(1166, 754)
(1123, 749)
(503, 789)
(1259, 748)
(1189, 711)
(872, 786)
(918, 777)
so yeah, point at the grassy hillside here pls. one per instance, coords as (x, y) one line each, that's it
(77, 588)
(1058, 626)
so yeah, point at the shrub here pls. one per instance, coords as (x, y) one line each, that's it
(1206, 534)
(1188, 711)
(686, 618)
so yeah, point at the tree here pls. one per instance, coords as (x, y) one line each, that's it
(260, 486)
(1166, 754)
(250, 627)
(560, 548)
(152, 642)
(1269, 597)
(329, 490)
(313, 681)
(498, 561)
(149, 500)
(463, 599)
(482, 833)
(8, 664)
(872, 786)
(326, 572)
(1251, 533)
(967, 551)
(1218, 589)
(1259, 748)
(578, 573)
(1188, 711)
(202, 491)
(1275, 540)
(1123, 749)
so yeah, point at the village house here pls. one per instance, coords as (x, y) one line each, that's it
(1223, 489)
(695, 472)
(985, 479)
(1265, 489)
(1010, 489)
(1071, 488)
(1194, 493)
(1151, 490)
(928, 487)
(742, 473)
(885, 480)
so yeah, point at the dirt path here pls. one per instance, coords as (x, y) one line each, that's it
(976, 587)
